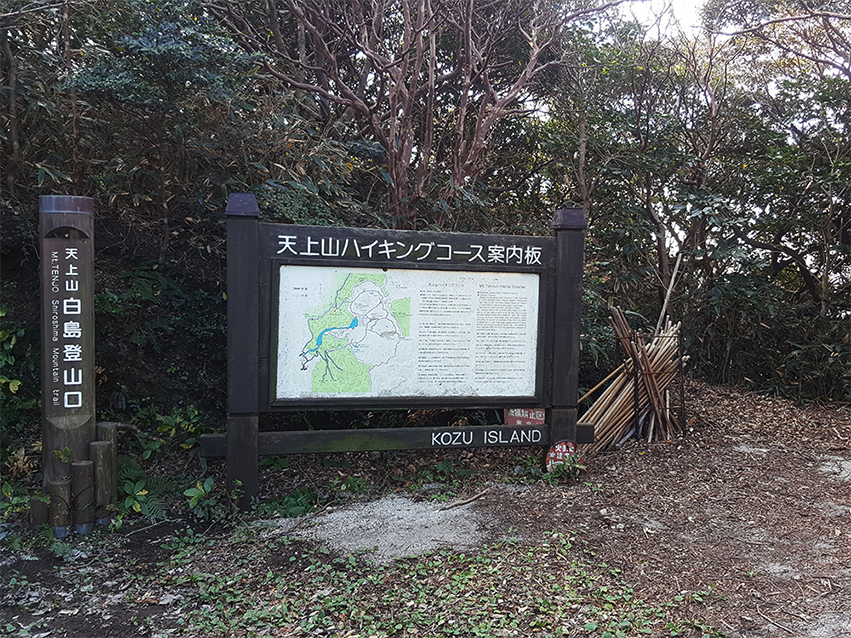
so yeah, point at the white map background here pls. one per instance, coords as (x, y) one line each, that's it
(366, 332)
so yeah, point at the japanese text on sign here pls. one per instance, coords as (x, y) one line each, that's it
(66, 329)
(524, 416)
(353, 248)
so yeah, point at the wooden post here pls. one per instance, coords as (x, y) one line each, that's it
(680, 372)
(243, 346)
(100, 452)
(67, 335)
(108, 431)
(59, 508)
(569, 225)
(636, 371)
(39, 513)
(82, 488)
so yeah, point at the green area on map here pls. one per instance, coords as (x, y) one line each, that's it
(401, 309)
(342, 342)
(331, 319)
(340, 373)
(344, 284)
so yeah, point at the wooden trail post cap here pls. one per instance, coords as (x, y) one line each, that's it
(569, 219)
(244, 204)
(66, 204)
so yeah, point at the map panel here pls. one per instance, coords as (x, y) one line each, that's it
(364, 333)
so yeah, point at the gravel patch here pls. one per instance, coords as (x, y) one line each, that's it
(840, 468)
(397, 526)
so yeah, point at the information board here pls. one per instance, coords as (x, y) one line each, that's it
(341, 318)
(364, 332)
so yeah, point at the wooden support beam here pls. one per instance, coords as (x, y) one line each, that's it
(108, 431)
(243, 346)
(381, 439)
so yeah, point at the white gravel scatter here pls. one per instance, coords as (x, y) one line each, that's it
(840, 468)
(396, 526)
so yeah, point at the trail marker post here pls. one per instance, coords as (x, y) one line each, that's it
(71, 478)
(68, 331)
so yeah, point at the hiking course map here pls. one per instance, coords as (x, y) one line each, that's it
(366, 332)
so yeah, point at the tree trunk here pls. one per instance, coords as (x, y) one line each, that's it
(162, 199)
(66, 37)
(13, 167)
(275, 27)
(581, 177)
(661, 246)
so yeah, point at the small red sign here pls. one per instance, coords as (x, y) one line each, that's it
(560, 453)
(525, 416)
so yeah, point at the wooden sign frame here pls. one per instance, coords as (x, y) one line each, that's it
(256, 253)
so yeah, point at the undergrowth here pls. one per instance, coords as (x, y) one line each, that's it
(250, 581)
(276, 586)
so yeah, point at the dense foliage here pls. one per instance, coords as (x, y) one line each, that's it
(728, 148)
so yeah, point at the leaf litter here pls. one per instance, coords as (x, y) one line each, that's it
(740, 527)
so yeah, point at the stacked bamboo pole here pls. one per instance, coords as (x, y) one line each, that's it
(637, 402)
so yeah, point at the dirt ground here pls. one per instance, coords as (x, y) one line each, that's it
(752, 505)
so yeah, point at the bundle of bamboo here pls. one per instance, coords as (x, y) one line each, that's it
(637, 403)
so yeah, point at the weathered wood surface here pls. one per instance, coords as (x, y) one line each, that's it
(380, 439)
(569, 225)
(636, 403)
(59, 509)
(66, 226)
(105, 477)
(243, 346)
(108, 431)
(83, 495)
(242, 451)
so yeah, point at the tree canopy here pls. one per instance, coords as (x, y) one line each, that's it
(726, 148)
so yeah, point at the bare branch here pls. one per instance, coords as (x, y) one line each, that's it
(35, 7)
(393, 65)
(784, 20)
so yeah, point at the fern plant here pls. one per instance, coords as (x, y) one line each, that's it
(143, 495)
